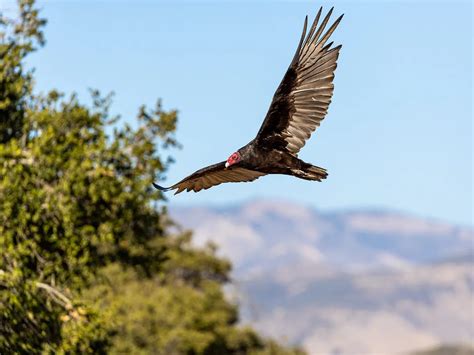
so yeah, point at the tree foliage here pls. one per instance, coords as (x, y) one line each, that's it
(88, 262)
(18, 38)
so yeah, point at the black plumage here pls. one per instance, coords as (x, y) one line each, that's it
(299, 105)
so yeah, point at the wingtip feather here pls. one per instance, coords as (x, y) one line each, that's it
(161, 188)
(339, 19)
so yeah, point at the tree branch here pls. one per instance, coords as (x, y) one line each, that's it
(59, 297)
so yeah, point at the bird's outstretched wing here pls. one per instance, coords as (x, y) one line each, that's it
(211, 176)
(302, 99)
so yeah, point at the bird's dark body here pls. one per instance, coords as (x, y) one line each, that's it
(299, 105)
(273, 161)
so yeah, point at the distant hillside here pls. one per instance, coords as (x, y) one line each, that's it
(447, 350)
(370, 312)
(262, 235)
(350, 282)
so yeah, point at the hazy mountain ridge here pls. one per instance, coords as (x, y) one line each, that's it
(344, 280)
(348, 240)
(426, 305)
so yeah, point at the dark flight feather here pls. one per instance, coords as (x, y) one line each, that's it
(302, 99)
(211, 176)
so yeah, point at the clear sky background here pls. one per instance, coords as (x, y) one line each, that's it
(399, 130)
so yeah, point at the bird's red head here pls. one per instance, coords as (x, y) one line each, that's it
(233, 159)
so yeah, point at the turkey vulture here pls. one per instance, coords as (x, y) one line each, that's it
(298, 106)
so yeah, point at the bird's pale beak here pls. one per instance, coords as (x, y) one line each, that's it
(226, 164)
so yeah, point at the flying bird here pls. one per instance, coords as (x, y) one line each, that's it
(299, 105)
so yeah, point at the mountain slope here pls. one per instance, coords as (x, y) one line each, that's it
(261, 235)
(346, 280)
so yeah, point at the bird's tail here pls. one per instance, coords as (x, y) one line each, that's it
(311, 172)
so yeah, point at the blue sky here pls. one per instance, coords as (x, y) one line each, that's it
(399, 130)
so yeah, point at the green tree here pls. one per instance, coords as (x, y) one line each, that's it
(17, 39)
(88, 262)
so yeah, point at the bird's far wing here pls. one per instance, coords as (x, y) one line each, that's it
(302, 99)
(211, 176)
